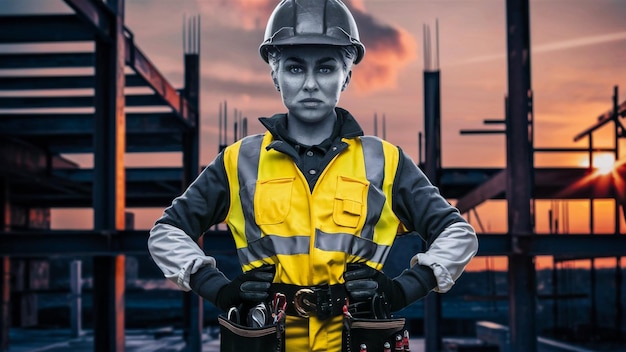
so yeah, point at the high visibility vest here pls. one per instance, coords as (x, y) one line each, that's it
(309, 235)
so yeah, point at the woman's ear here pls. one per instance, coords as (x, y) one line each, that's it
(275, 80)
(347, 81)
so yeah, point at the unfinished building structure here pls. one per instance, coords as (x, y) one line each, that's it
(35, 176)
(39, 129)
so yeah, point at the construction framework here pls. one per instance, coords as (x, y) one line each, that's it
(34, 175)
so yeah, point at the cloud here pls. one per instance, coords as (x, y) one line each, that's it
(218, 86)
(581, 42)
(246, 14)
(388, 48)
(554, 46)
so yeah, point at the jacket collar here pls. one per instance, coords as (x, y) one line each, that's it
(346, 127)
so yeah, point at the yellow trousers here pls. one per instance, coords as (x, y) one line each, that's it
(313, 334)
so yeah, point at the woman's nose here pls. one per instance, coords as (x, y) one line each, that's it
(310, 83)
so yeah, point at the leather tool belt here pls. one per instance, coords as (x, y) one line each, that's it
(323, 301)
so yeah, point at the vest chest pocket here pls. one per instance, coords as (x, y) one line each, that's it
(350, 201)
(272, 200)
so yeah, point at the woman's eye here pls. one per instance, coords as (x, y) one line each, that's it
(294, 69)
(326, 69)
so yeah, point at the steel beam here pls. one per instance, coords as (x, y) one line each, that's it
(550, 183)
(97, 15)
(79, 101)
(52, 124)
(45, 60)
(158, 184)
(146, 187)
(17, 155)
(135, 143)
(432, 168)
(135, 199)
(579, 245)
(93, 243)
(519, 185)
(603, 119)
(191, 169)
(42, 28)
(466, 132)
(109, 193)
(13, 83)
(573, 150)
(5, 308)
(495, 186)
(109, 303)
(166, 92)
(136, 174)
(5, 268)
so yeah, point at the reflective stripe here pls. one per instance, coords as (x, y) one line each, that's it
(248, 168)
(270, 245)
(361, 245)
(374, 159)
(357, 246)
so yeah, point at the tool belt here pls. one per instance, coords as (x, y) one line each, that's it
(237, 337)
(323, 301)
(375, 334)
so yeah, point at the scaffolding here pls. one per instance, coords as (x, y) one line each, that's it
(35, 175)
(39, 130)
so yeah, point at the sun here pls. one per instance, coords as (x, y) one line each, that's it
(603, 163)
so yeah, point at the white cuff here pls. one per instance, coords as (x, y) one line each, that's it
(182, 277)
(444, 279)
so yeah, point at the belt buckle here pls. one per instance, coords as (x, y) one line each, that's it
(304, 301)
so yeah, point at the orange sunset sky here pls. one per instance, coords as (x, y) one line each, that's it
(578, 56)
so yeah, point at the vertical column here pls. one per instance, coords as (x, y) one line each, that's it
(192, 303)
(5, 269)
(109, 182)
(617, 224)
(76, 306)
(521, 279)
(593, 312)
(432, 167)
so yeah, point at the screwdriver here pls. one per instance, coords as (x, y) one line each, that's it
(399, 346)
(387, 347)
(405, 341)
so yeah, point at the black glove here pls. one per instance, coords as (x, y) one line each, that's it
(364, 282)
(250, 287)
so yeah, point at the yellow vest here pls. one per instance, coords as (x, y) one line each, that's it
(311, 235)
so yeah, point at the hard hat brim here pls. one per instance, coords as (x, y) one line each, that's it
(311, 39)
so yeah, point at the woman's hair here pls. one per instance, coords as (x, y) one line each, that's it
(348, 53)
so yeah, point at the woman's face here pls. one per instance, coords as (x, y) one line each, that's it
(311, 80)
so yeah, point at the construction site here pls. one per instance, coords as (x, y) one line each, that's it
(98, 289)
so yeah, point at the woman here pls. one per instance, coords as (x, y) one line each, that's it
(313, 205)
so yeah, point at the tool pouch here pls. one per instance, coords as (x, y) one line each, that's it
(371, 332)
(235, 337)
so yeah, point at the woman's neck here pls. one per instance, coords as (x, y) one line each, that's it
(313, 133)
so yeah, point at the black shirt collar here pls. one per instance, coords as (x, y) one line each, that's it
(345, 127)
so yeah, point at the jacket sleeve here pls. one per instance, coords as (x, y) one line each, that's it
(451, 240)
(173, 239)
